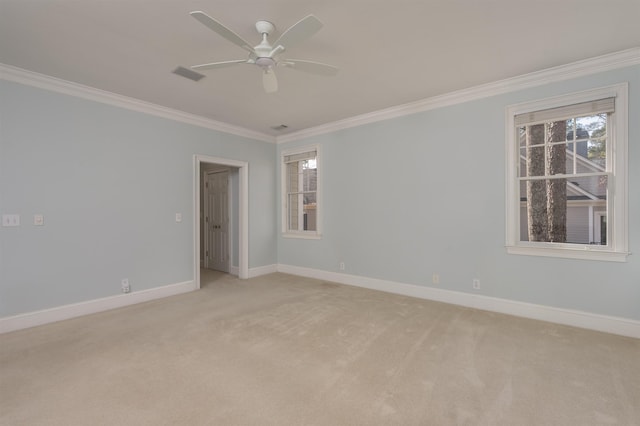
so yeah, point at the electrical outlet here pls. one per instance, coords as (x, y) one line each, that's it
(341, 266)
(476, 284)
(125, 285)
(435, 279)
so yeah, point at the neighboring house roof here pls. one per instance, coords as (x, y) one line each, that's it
(581, 188)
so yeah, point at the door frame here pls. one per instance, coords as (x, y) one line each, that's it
(243, 212)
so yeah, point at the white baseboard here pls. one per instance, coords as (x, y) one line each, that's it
(255, 272)
(32, 319)
(262, 270)
(607, 324)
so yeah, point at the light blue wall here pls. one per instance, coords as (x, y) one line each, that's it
(109, 182)
(421, 194)
(403, 199)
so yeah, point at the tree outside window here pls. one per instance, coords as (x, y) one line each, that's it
(563, 156)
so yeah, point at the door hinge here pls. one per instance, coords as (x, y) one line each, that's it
(206, 185)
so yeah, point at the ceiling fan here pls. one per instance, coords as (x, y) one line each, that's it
(265, 55)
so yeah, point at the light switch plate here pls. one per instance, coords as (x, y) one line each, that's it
(10, 220)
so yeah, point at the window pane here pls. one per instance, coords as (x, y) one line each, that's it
(309, 164)
(582, 149)
(597, 151)
(557, 210)
(543, 152)
(591, 124)
(581, 130)
(294, 212)
(309, 179)
(602, 239)
(596, 127)
(520, 132)
(535, 161)
(309, 198)
(571, 125)
(557, 159)
(292, 177)
(571, 148)
(587, 187)
(310, 212)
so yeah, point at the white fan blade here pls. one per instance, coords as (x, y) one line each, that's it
(309, 66)
(222, 30)
(269, 81)
(301, 30)
(214, 65)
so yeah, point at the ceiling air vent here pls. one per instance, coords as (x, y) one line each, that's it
(187, 73)
(280, 127)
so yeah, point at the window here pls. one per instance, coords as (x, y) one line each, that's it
(301, 196)
(567, 176)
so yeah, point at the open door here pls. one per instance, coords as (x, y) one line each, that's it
(216, 221)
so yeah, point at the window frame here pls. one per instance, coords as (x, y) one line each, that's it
(286, 232)
(617, 166)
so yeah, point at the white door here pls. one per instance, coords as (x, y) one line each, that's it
(216, 221)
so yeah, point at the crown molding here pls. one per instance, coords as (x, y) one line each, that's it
(34, 79)
(585, 67)
(581, 68)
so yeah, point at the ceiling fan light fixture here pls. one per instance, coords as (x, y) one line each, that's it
(265, 63)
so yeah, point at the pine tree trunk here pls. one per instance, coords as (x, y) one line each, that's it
(536, 189)
(557, 188)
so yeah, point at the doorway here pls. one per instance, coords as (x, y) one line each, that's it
(238, 219)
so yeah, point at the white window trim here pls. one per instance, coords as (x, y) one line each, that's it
(317, 234)
(617, 199)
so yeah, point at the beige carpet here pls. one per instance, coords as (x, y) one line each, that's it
(284, 350)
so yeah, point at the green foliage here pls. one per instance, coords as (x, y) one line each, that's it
(597, 151)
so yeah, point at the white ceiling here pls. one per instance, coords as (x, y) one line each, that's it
(389, 52)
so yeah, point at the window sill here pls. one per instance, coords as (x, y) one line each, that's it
(302, 235)
(585, 253)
